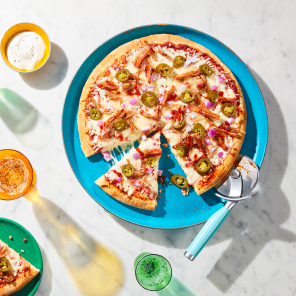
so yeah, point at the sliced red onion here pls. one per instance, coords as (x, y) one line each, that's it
(213, 149)
(168, 115)
(159, 173)
(107, 156)
(189, 158)
(220, 79)
(136, 155)
(100, 123)
(230, 120)
(150, 88)
(133, 101)
(220, 154)
(144, 87)
(182, 87)
(160, 99)
(208, 104)
(214, 87)
(162, 90)
(144, 137)
(149, 170)
(154, 144)
(111, 108)
(123, 105)
(208, 142)
(145, 129)
(153, 77)
(119, 179)
(193, 114)
(211, 133)
(137, 183)
(190, 60)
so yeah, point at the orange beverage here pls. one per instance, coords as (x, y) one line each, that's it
(16, 174)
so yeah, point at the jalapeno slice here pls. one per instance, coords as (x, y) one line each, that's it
(95, 114)
(205, 69)
(178, 62)
(228, 109)
(122, 75)
(4, 264)
(187, 96)
(179, 181)
(148, 98)
(178, 125)
(213, 95)
(181, 150)
(198, 128)
(127, 170)
(163, 69)
(150, 161)
(120, 124)
(203, 166)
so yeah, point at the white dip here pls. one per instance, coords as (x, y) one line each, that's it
(25, 50)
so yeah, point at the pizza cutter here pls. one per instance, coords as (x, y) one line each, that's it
(236, 187)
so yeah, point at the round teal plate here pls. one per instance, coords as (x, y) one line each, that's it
(173, 210)
(31, 249)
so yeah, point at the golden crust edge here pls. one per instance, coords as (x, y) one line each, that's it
(122, 197)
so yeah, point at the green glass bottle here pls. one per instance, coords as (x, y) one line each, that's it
(153, 272)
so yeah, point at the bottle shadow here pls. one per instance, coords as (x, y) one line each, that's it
(24, 120)
(94, 269)
(252, 225)
(46, 283)
(176, 288)
(52, 73)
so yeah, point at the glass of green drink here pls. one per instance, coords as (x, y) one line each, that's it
(153, 272)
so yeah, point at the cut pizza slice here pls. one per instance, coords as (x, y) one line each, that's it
(203, 144)
(133, 180)
(15, 271)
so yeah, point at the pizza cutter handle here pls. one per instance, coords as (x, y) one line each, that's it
(206, 233)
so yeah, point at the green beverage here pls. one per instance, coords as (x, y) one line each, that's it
(153, 272)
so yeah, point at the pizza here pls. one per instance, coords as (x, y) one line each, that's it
(133, 180)
(170, 84)
(15, 271)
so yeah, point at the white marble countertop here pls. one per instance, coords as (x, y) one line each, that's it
(253, 253)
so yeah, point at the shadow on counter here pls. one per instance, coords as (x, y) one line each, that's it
(94, 269)
(52, 73)
(27, 124)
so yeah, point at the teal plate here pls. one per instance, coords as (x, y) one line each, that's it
(31, 250)
(173, 210)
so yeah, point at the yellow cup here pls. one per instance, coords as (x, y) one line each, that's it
(23, 27)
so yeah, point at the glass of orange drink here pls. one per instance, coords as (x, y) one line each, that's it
(16, 174)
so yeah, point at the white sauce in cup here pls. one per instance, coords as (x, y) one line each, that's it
(25, 50)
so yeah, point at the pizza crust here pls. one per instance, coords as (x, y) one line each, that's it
(121, 196)
(20, 282)
(223, 168)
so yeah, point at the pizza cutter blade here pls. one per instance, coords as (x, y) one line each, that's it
(236, 187)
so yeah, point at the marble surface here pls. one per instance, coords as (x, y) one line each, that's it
(253, 253)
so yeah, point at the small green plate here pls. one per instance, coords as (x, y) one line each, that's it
(31, 249)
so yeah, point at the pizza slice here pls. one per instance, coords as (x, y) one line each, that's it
(203, 143)
(133, 180)
(15, 271)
